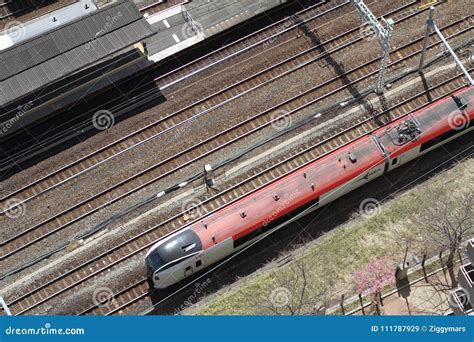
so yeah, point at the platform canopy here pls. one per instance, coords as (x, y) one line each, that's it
(28, 66)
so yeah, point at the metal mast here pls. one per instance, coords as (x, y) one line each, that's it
(383, 35)
(430, 24)
(4, 305)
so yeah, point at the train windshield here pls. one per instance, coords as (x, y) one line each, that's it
(172, 251)
(154, 262)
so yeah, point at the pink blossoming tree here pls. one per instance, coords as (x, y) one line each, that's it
(373, 278)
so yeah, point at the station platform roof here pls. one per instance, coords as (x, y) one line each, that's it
(184, 25)
(30, 65)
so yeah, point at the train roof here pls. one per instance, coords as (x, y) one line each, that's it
(327, 174)
(30, 65)
(293, 191)
(427, 123)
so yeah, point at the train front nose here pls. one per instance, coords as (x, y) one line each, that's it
(149, 268)
(153, 262)
(166, 257)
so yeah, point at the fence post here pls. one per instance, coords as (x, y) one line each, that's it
(361, 304)
(460, 256)
(443, 266)
(423, 267)
(342, 305)
(441, 261)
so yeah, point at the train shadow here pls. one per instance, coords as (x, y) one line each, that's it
(176, 299)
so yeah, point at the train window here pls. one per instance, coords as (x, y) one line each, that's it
(198, 263)
(188, 268)
(394, 160)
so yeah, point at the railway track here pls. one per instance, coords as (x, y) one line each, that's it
(7, 13)
(130, 294)
(135, 139)
(96, 158)
(58, 283)
(248, 43)
(48, 182)
(24, 151)
(223, 51)
(207, 147)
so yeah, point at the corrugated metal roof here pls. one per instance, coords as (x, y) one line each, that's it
(39, 61)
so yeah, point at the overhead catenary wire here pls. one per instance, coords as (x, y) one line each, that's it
(236, 156)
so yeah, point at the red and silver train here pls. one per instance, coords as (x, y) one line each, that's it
(233, 227)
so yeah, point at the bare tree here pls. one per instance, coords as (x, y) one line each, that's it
(446, 220)
(294, 290)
